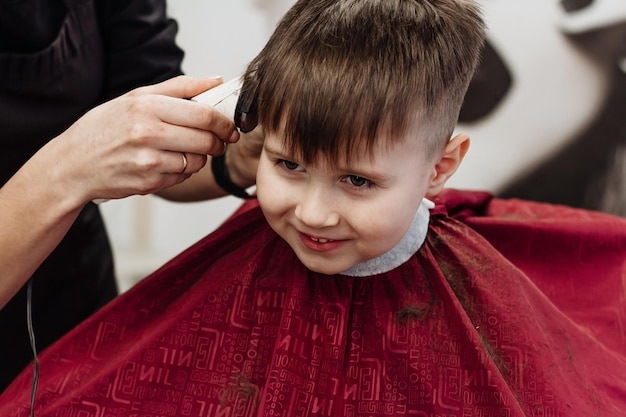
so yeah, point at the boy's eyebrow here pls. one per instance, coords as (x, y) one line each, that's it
(269, 149)
(377, 177)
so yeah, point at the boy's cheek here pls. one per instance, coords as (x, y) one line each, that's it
(263, 184)
(272, 204)
(264, 203)
(274, 193)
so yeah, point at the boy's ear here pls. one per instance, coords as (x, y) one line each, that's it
(448, 162)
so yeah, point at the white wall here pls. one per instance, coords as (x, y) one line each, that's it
(557, 91)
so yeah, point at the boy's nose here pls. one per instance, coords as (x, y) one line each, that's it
(316, 208)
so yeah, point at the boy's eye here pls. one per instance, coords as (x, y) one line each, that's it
(357, 181)
(290, 165)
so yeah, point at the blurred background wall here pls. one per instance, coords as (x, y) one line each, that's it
(552, 86)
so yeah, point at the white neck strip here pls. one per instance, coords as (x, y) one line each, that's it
(401, 253)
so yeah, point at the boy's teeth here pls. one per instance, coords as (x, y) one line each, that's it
(320, 240)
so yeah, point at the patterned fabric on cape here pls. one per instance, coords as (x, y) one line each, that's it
(510, 308)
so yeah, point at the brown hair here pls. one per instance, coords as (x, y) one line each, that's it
(336, 75)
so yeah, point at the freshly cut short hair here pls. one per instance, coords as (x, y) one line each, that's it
(337, 75)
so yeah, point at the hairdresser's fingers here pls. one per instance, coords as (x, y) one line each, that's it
(182, 163)
(180, 139)
(147, 162)
(146, 171)
(195, 115)
(181, 87)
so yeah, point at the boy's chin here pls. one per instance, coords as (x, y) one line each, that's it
(326, 269)
(322, 270)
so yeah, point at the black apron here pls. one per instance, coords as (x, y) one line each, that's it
(42, 94)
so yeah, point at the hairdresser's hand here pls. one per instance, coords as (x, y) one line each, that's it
(130, 145)
(134, 144)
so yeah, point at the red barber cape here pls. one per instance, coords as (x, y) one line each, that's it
(510, 308)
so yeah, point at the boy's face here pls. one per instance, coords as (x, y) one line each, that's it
(335, 218)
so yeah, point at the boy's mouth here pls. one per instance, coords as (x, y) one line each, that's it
(320, 244)
(320, 240)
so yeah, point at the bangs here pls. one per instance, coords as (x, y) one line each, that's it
(332, 108)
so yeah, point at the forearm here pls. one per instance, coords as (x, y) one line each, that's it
(34, 217)
(129, 145)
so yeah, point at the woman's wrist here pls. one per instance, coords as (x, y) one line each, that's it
(62, 181)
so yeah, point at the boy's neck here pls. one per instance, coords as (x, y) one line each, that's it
(400, 253)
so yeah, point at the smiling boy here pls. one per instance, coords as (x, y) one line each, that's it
(358, 100)
(347, 291)
(337, 217)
